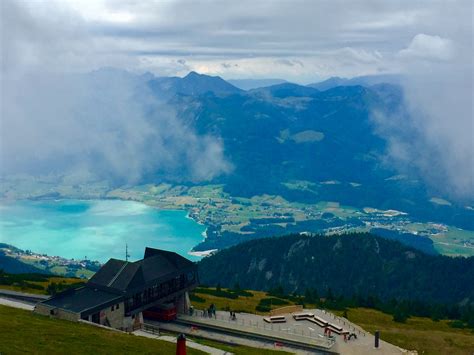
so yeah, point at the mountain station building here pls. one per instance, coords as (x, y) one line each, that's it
(120, 291)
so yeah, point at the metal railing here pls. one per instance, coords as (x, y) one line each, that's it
(279, 331)
(133, 304)
(150, 328)
(342, 321)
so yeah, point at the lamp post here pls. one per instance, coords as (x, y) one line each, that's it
(377, 339)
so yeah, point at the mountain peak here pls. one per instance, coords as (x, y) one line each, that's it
(195, 84)
(193, 74)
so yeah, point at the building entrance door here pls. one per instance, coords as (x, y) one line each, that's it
(96, 318)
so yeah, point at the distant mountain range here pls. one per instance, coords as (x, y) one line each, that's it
(249, 84)
(368, 80)
(321, 138)
(198, 84)
(193, 84)
(289, 132)
(286, 90)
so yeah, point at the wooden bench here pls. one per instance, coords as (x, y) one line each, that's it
(337, 329)
(318, 321)
(275, 319)
(302, 316)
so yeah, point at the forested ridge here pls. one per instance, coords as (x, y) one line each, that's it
(350, 270)
(356, 264)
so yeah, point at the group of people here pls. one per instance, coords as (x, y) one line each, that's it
(350, 337)
(210, 312)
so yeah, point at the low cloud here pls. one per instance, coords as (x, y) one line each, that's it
(428, 47)
(434, 135)
(104, 125)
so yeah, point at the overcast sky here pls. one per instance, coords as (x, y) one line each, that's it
(430, 42)
(301, 41)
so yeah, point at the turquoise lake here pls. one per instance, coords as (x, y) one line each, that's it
(98, 229)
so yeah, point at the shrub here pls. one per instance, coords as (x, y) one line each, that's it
(273, 301)
(457, 324)
(262, 308)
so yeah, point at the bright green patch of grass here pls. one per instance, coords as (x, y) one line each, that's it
(454, 242)
(248, 304)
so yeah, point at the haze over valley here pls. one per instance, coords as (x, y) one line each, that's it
(254, 176)
(318, 160)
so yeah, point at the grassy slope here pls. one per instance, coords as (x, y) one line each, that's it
(30, 333)
(24, 332)
(244, 304)
(422, 334)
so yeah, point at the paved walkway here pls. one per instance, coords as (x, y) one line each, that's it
(189, 343)
(365, 341)
(16, 304)
(28, 297)
(226, 338)
(301, 331)
(252, 325)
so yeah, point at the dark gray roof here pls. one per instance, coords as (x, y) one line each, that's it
(83, 299)
(177, 260)
(122, 276)
(118, 278)
(107, 272)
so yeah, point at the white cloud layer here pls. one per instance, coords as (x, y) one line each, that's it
(303, 41)
(339, 37)
(428, 47)
(105, 125)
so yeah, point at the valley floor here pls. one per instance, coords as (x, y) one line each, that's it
(235, 219)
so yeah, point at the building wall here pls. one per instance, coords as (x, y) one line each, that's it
(42, 309)
(183, 303)
(115, 317)
(45, 310)
(62, 314)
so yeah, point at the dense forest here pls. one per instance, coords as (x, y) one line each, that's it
(350, 270)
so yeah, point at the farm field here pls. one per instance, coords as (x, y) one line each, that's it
(231, 220)
(36, 283)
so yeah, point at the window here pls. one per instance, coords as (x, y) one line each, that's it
(112, 308)
(117, 306)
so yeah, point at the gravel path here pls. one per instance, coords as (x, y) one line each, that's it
(16, 304)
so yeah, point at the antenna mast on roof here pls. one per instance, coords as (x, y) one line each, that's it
(127, 255)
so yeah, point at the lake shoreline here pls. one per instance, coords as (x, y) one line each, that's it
(145, 220)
